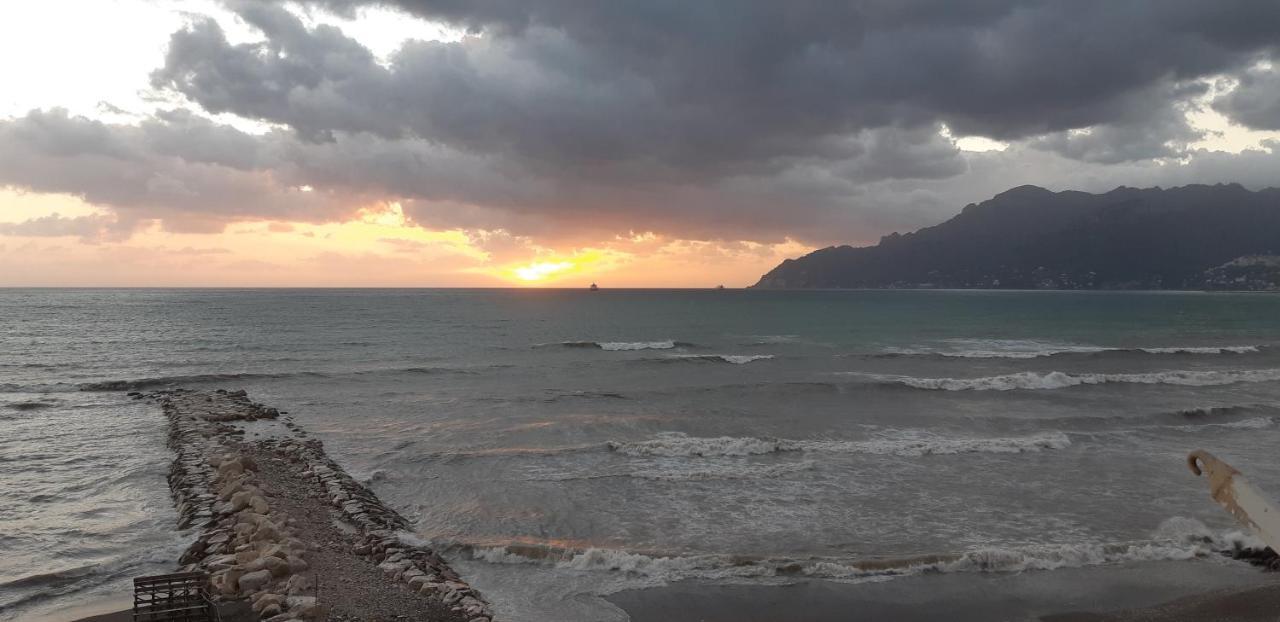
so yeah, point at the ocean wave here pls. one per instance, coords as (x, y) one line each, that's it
(896, 442)
(621, 346)
(733, 359)
(1060, 380)
(1015, 349)
(51, 387)
(139, 384)
(1256, 423)
(683, 471)
(160, 381)
(678, 444)
(769, 340)
(26, 405)
(1175, 539)
(50, 578)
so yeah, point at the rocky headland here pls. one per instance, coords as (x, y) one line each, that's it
(284, 533)
(1193, 237)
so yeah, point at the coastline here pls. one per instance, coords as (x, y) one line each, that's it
(1173, 591)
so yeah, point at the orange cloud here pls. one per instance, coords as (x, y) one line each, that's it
(379, 247)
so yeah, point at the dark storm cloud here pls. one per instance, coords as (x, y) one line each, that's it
(752, 119)
(1255, 102)
(715, 86)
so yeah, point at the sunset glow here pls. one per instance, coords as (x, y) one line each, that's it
(394, 144)
(541, 270)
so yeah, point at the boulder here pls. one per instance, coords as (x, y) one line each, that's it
(266, 532)
(277, 566)
(254, 581)
(299, 584)
(297, 564)
(261, 601)
(303, 606)
(393, 568)
(230, 468)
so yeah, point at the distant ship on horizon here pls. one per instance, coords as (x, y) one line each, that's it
(594, 287)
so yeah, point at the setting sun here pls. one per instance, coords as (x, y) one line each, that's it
(540, 270)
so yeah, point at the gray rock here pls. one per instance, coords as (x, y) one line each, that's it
(254, 581)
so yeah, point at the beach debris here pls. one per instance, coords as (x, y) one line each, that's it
(1240, 498)
(252, 549)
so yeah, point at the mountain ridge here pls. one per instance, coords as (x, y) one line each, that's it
(1028, 237)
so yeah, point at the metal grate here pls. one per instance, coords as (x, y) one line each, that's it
(179, 597)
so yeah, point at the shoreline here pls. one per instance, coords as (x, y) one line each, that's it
(1169, 590)
(284, 532)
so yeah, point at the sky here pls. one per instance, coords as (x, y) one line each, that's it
(658, 143)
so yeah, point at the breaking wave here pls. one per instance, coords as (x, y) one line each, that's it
(734, 359)
(898, 443)
(1059, 380)
(679, 471)
(1175, 539)
(1256, 423)
(161, 381)
(621, 346)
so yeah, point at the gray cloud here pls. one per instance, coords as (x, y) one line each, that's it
(91, 229)
(1255, 102)
(756, 120)
(708, 86)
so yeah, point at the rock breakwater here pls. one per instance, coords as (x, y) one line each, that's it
(286, 533)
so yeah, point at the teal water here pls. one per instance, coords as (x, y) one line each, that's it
(642, 437)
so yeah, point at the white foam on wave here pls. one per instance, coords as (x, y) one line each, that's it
(1256, 423)
(996, 348)
(895, 442)
(736, 359)
(679, 444)
(1175, 539)
(910, 443)
(1203, 350)
(686, 471)
(616, 346)
(1058, 380)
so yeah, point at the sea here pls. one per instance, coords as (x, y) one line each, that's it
(563, 446)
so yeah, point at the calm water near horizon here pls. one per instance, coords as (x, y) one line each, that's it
(563, 445)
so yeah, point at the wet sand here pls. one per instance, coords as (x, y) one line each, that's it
(1195, 590)
(119, 616)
